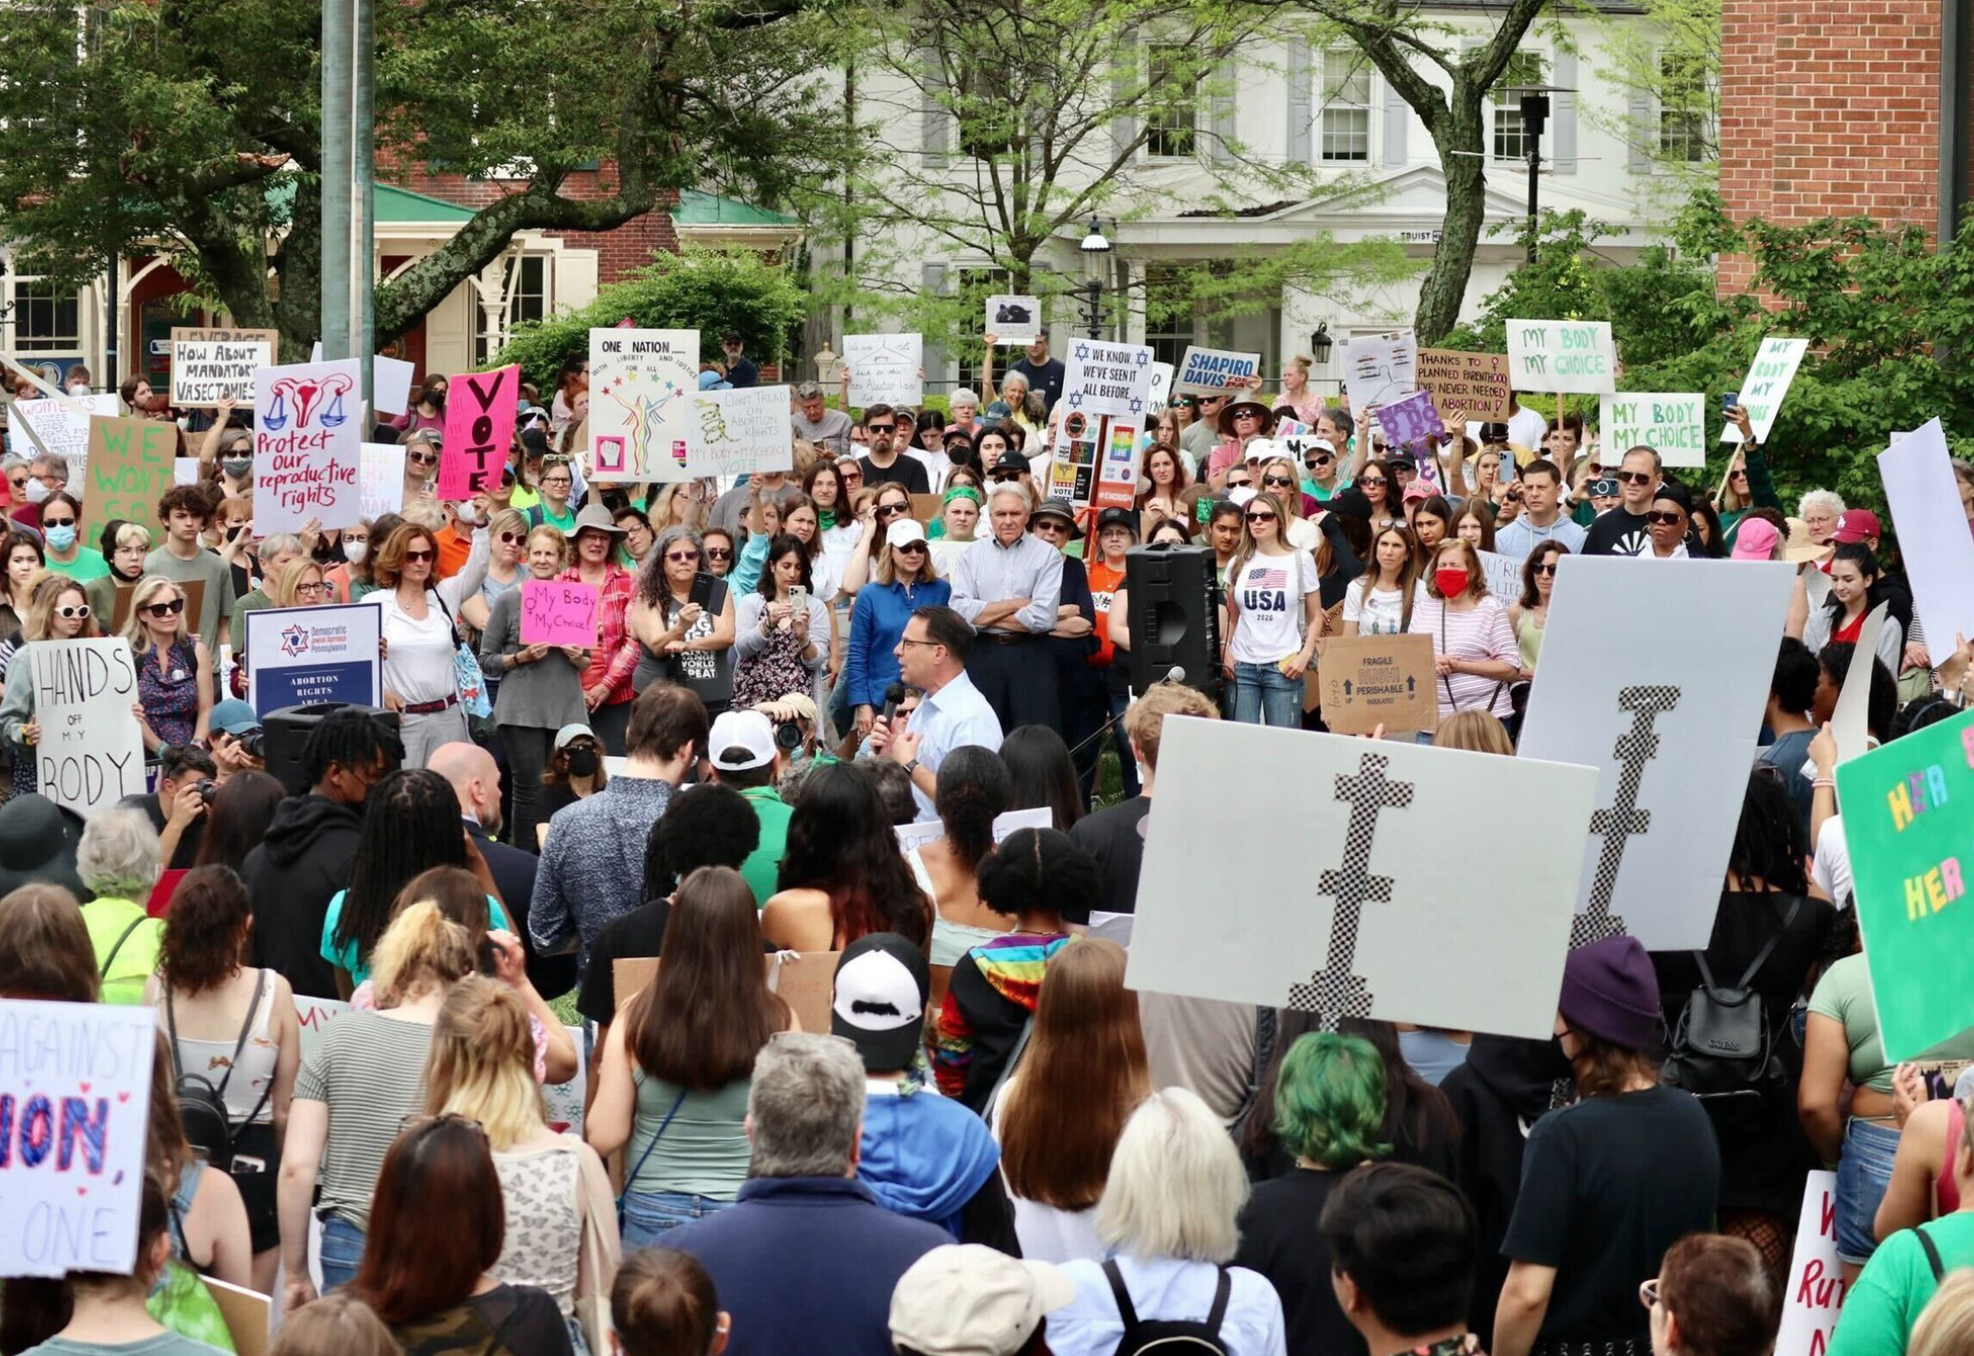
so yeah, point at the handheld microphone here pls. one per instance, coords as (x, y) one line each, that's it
(1177, 675)
(893, 695)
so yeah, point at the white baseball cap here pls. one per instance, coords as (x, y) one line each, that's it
(741, 741)
(966, 1299)
(903, 532)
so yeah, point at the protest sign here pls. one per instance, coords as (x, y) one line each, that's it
(1102, 378)
(195, 602)
(918, 834)
(308, 438)
(558, 612)
(1768, 379)
(740, 432)
(1215, 371)
(1849, 720)
(1815, 1297)
(208, 366)
(75, 1098)
(249, 1316)
(479, 429)
(1671, 729)
(184, 470)
(1674, 426)
(62, 428)
(1412, 422)
(298, 656)
(1503, 575)
(1906, 824)
(1369, 925)
(885, 369)
(805, 981)
(380, 479)
(1368, 681)
(1161, 388)
(1380, 368)
(129, 469)
(91, 753)
(1562, 355)
(390, 384)
(1013, 320)
(1933, 538)
(1475, 382)
(641, 420)
(1117, 473)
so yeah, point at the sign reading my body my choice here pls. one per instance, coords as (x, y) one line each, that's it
(1562, 355)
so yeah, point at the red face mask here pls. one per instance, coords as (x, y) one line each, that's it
(1452, 583)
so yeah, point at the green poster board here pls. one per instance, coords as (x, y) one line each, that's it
(1909, 822)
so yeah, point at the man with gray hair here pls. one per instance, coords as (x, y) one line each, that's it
(1008, 585)
(806, 1259)
(828, 430)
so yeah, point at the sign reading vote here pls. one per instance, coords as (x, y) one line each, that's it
(91, 753)
(75, 1101)
(1674, 426)
(1562, 355)
(1908, 811)
(298, 656)
(479, 427)
(558, 612)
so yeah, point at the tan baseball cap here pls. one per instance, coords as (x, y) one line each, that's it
(966, 1299)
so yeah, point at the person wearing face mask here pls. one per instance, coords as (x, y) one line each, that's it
(428, 411)
(575, 772)
(348, 578)
(61, 525)
(124, 546)
(46, 475)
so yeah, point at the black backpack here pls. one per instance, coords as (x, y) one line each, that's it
(201, 1104)
(1722, 1050)
(1169, 1336)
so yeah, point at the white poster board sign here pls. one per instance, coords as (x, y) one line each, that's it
(1215, 371)
(743, 430)
(1364, 923)
(918, 834)
(390, 383)
(1503, 574)
(1850, 719)
(1768, 379)
(1380, 368)
(641, 416)
(62, 426)
(1815, 1297)
(1013, 320)
(885, 369)
(1161, 388)
(75, 1082)
(1674, 426)
(302, 656)
(1562, 355)
(380, 480)
(308, 441)
(1103, 378)
(91, 753)
(1671, 729)
(206, 371)
(1933, 536)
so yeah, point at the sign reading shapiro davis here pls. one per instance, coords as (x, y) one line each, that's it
(299, 656)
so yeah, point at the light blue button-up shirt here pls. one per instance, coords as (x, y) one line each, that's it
(951, 718)
(988, 572)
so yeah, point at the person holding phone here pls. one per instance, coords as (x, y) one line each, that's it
(782, 638)
(684, 622)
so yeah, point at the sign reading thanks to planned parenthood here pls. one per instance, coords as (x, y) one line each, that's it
(75, 1102)
(1363, 924)
(1909, 824)
(1475, 382)
(1674, 426)
(299, 656)
(90, 754)
(1215, 371)
(1767, 382)
(1562, 355)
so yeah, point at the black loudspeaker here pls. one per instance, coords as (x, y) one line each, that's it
(1175, 616)
(284, 734)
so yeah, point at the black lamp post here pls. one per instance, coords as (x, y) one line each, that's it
(1535, 114)
(1094, 246)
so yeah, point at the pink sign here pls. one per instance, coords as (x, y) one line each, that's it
(479, 430)
(558, 612)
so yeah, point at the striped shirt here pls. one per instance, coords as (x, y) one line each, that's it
(370, 1072)
(1478, 633)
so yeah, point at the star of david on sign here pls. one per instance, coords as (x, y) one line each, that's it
(1143, 358)
(1136, 404)
(294, 641)
(1076, 399)
(1082, 352)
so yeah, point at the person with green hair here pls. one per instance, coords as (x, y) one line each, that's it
(1329, 1113)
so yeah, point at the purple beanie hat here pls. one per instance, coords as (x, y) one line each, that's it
(1611, 991)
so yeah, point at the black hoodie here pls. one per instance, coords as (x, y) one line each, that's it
(302, 861)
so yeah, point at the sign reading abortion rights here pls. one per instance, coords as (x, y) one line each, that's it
(299, 656)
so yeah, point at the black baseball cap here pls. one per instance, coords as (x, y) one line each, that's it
(878, 1004)
(1118, 517)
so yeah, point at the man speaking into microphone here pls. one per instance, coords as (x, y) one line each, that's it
(932, 657)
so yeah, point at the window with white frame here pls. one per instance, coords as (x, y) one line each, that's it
(1525, 70)
(1343, 132)
(1172, 100)
(1683, 104)
(524, 290)
(45, 320)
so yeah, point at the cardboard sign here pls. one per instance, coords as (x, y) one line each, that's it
(1161, 388)
(1850, 723)
(884, 369)
(740, 432)
(195, 602)
(1767, 382)
(1215, 371)
(75, 1097)
(558, 612)
(1671, 729)
(298, 656)
(249, 1315)
(1368, 681)
(380, 479)
(62, 428)
(641, 418)
(308, 440)
(208, 366)
(1674, 426)
(1365, 923)
(805, 983)
(479, 430)
(1102, 378)
(129, 469)
(1412, 422)
(1562, 355)
(1013, 320)
(1933, 537)
(1475, 382)
(1380, 368)
(1912, 859)
(1815, 1297)
(91, 752)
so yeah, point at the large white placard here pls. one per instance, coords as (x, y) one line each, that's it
(641, 416)
(1562, 355)
(1102, 378)
(62, 427)
(219, 366)
(1768, 379)
(1360, 920)
(91, 753)
(1380, 368)
(1674, 426)
(1850, 719)
(1161, 388)
(380, 480)
(1013, 320)
(75, 1098)
(308, 440)
(921, 832)
(303, 656)
(1933, 536)
(1815, 1297)
(743, 430)
(1671, 728)
(885, 369)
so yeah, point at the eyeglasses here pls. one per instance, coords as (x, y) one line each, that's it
(907, 640)
(1648, 1292)
(713, 553)
(510, 538)
(1665, 518)
(310, 589)
(850, 474)
(879, 428)
(163, 610)
(413, 557)
(422, 459)
(1261, 517)
(557, 481)
(58, 522)
(1550, 568)
(889, 510)
(73, 612)
(1635, 477)
(1370, 480)
(1278, 480)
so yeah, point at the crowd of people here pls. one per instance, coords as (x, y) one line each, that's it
(996, 1146)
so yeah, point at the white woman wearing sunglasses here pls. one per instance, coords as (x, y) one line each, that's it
(174, 668)
(56, 610)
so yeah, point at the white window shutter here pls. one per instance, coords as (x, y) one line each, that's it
(1300, 102)
(1562, 114)
(935, 123)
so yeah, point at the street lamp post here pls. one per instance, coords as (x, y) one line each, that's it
(1094, 247)
(1535, 114)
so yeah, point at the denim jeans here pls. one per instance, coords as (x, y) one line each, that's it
(648, 1214)
(342, 1252)
(1264, 695)
(1864, 1170)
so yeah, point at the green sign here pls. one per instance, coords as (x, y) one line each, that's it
(1909, 822)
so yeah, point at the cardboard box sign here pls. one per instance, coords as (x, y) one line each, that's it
(807, 985)
(1368, 681)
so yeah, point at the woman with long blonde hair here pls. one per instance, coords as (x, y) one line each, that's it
(174, 668)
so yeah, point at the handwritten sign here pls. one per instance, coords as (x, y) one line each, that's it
(1503, 575)
(1933, 540)
(390, 384)
(1475, 382)
(479, 430)
(75, 1099)
(62, 428)
(299, 656)
(742, 431)
(1013, 320)
(558, 612)
(1368, 681)
(218, 366)
(1380, 368)
(1215, 371)
(1161, 388)
(129, 469)
(91, 753)
(884, 368)
(641, 421)
(1562, 355)
(1412, 422)
(1767, 382)
(308, 435)
(380, 479)
(1674, 426)
(1815, 1297)
(1101, 378)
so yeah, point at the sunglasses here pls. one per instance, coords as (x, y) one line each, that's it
(1278, 480)
(1370, 480)
(849, 475)
(1635, 477)
(681, 557)
(1261, 517)
(170, 609)
(422, 458)
(889, 510)
(510, 538)
(917, 548)
(1648, 1291)
(82, 611)
(717, 553)
(1738, 473)
(1233, 484)
(1245, 414)
(880, 428)
(415, 556)
(58, 522)
(1000, 477)
(1664, 518)
(1543, 569)
(1315, 461)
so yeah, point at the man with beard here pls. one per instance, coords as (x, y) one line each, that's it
(886, 459)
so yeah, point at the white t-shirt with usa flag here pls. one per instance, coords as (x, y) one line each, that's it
(1268, 598)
